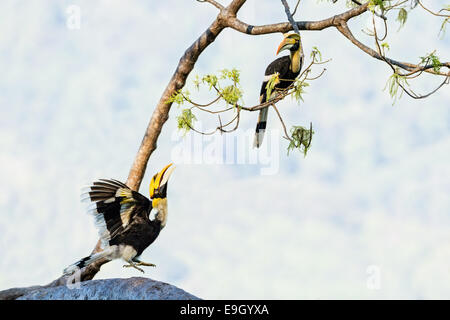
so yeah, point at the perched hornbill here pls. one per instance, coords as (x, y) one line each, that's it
(122, 217)
(287, 68)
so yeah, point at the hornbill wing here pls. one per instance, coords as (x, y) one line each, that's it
(114, 206)
(280, 66)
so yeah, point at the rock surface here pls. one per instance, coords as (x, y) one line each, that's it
(136, 288)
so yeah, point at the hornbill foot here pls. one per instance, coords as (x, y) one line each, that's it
(134, 265)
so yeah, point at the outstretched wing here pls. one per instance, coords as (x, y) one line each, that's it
(114, 206)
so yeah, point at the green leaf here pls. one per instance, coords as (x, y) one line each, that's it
(211, 80)
(299, 89)
(373, 4)
(178, 97)
(385, 45)
(197, 82)
(273, 81)
(233, 75)
(316, 55)
(443, 26)
(393, 85)
(402, 16)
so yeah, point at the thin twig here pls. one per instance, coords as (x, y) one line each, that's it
(296, 7)
(282, 123)
(344, 30)
(214, 3)
(434, 13)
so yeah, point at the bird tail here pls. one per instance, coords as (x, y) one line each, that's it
(260, 127)
(85, 262)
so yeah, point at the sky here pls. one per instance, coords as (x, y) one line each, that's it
(365, 215)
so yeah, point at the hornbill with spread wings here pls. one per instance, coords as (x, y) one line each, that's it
(122, 217)
(287, 69)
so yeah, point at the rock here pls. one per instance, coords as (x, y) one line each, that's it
(14, 293)
(136, 288)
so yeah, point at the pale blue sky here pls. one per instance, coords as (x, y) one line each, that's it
(373, 190)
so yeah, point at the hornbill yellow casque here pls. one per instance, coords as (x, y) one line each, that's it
(287, 68)
(122, 217)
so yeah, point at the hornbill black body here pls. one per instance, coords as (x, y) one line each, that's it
(123, 219)
(287, 68)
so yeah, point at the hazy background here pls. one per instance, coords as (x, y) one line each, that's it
(365, 215)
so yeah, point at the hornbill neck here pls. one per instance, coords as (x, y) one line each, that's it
(161, 206)
(295, 61)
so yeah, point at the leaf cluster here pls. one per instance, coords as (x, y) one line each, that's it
(433, 59)
(300, 139)
(393, 84)
(185, 120)
(226, 85)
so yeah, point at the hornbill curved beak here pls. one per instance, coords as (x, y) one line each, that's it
(158, 184)
(288, 42)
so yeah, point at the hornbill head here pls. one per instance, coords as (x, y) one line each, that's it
(290, 42)
(158, 193)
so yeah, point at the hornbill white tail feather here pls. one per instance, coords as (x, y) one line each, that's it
(86, 261)
(260, 127)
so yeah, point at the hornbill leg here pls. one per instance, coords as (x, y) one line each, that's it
(142, 263)
(134, 265)
(145, 264)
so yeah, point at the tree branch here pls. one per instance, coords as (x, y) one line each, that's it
(344, 29)
(284, 27)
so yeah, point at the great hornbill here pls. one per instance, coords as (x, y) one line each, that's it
(122, 217)
(287, 68)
